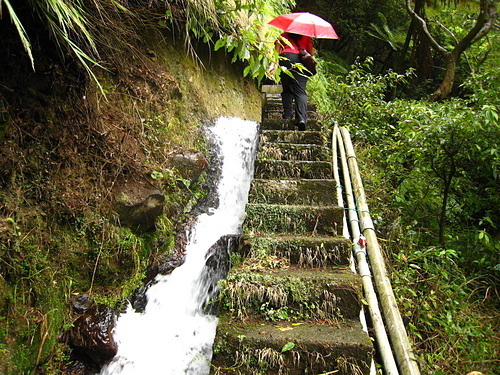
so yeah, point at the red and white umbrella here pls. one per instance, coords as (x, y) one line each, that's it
(305, 24)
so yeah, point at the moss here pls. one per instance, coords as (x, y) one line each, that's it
(279, 151)
(41, 271)
(316, 192)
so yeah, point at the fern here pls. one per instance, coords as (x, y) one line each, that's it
(20, 29)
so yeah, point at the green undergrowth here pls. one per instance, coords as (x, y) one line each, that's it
(453, 322)
(430, 173)
(43, 264)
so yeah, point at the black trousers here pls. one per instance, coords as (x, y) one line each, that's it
(294, 89)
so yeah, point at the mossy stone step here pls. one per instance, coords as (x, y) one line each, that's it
(301, 191)
(296, 137)
(291, 293)
(296, 219)
(301, 251)
(290, 169)
(279, 115)
(276, 105)
(259, 348)
(290, 151)
(271, 91)
(281, 124)
(277, 101)
(273, 100)
(274, 109)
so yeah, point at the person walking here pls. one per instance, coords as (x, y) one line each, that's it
(291, 47)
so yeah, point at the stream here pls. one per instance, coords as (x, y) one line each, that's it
(175, 333)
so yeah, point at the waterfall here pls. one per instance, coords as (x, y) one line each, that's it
(174, 334)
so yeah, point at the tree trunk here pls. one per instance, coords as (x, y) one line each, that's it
(484, 22)
(449, 77)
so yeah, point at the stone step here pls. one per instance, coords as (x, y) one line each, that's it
(291, 305)
(309, 192)
(291, 293)
(298, 220)
(301, 251)
(271, 90)
(281, 124)
(273, 100)
(275, 115)
(290, 136)
(290, 151)
(285, 169)
(275, 105)
(291, 349)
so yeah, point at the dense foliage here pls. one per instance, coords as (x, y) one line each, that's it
(431, 172)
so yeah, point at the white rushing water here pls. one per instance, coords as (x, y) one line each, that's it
(173, 336)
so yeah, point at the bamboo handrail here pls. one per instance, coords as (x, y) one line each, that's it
(381, 339)
(405, 358)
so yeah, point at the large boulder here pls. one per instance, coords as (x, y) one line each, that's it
(189, 163)
(138, 204)
(91, 333)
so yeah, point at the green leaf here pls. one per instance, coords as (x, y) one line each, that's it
(246, 71)
(220, 43)
(288, 346)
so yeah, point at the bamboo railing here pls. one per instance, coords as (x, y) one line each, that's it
(392, 342)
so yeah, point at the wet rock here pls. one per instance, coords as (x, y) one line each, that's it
(91, 334)
(81, 302)
(138, 205)
(163, 264)
(139, 299)
(188, 163)
(217, 266)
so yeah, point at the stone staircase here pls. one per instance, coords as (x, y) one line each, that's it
(291, 304)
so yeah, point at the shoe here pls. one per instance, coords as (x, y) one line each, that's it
(302, 126)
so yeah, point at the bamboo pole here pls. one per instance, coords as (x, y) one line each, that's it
(405, 357)
(359, 249)
(336, 176)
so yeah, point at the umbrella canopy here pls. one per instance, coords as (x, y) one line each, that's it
(305, 24)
